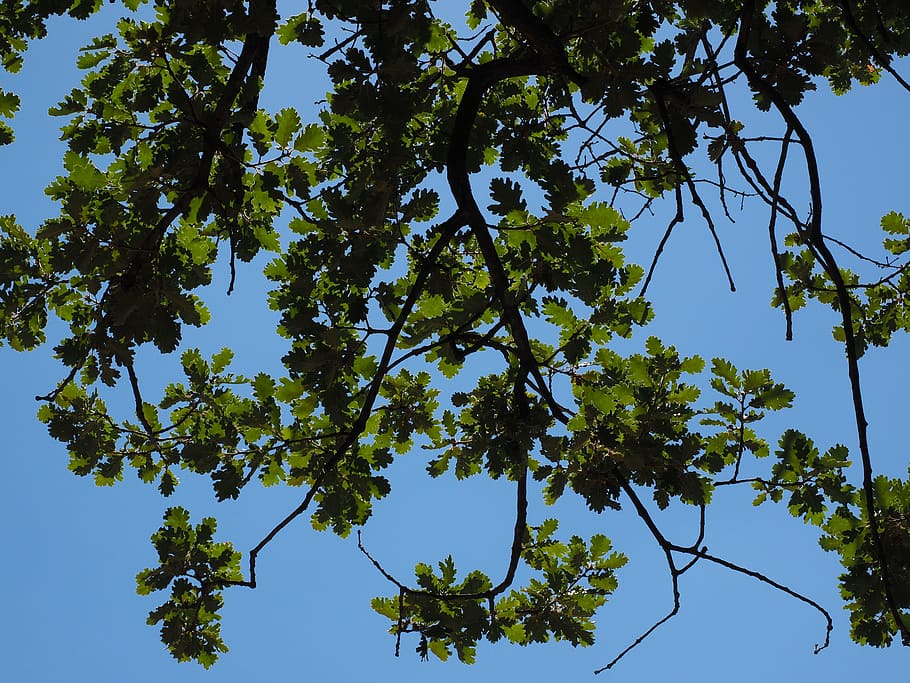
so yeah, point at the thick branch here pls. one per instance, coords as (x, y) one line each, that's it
(480, 80)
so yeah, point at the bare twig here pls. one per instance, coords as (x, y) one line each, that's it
(772, 234)
(677, 219)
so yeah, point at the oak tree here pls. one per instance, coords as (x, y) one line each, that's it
(458, 205)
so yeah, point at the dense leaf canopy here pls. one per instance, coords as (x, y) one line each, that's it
(457, 206)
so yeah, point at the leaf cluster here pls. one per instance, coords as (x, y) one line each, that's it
(455, 209)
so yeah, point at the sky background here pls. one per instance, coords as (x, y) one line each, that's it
(71, 550)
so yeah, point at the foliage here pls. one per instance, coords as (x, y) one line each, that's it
(195, 569)
(389, 276)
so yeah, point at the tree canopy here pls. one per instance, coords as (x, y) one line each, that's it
(456, 208)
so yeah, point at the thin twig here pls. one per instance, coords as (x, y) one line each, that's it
(772, 234)
(677, 219)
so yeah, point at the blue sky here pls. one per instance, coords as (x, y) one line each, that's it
(71, 550)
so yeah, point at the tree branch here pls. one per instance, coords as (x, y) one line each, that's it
(480, 80)
(686, 175)
(826, 259)
(676, 220)
(772, 235)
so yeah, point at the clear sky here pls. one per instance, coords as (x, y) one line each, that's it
(71, 550)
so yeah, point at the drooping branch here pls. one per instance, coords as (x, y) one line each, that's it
(829, 623)
(678, 218)
(748, 167)
(697, 553)
(667, 549)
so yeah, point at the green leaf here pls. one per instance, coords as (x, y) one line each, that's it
(311, 138)
(894, 223)
(82, 172)
(725, 370)
(301, 28)
(288, 121)
(221, 360)
(438, 648)
(9, 104)
(506, 195)
(263, 386)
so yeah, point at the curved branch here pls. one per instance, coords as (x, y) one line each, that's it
(772, 233)
(698, 553)
(521, 520)
(480, 80)
(829, 624)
